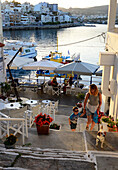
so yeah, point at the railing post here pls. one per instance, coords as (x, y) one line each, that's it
(23, 132)
(26, 128)
(8, 128)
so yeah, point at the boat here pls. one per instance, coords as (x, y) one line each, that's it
(58, 57)
(28, 49)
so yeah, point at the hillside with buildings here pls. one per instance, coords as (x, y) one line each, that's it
(41, 14)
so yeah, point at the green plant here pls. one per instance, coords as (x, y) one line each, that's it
(10, 140)
(55, 126)
(81, 95)
(117, 123)
(5, 87)
(111, 124)
(105, 119)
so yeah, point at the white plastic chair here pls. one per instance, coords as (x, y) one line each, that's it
(14, 125)
(55, 91)
(51, 110)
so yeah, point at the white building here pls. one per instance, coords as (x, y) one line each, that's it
(24, 19)
(26, 7)
(41, 8)
(61, 18)
(109, 61)
(46, 18)
(31, 19)
(67, 18)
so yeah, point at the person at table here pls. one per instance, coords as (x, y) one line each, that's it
(64, 85)
(54, 82)
(92, 104)
(70, 81)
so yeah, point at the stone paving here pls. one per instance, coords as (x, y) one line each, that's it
(64, 149)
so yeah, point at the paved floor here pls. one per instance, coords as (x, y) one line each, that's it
(65, 139)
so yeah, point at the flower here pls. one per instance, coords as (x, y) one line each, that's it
(41, 119)
(111, 124)
(79, 104)
(107, 119)
(55, 126)
(10, 140)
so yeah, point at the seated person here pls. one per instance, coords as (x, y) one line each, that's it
(49, 82)
(64, 85)
(54, 83)
(70, 81)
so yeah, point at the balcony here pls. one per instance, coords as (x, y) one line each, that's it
(112, 40)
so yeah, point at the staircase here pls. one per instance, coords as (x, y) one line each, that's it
(44, 159)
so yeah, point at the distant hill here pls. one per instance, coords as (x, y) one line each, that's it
(88, 11)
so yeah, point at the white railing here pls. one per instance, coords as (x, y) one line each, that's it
(7, 124)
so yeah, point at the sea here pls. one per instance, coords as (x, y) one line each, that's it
(84, 41)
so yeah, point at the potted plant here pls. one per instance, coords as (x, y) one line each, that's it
(55, 126)
(117, 124)
(42, 123)
(105, 120)
(10, 141)
(5, 88)
(112, 126)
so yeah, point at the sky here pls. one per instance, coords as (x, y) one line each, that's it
(69, 3)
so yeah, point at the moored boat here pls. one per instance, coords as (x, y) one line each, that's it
(28, 49)
(58, 57)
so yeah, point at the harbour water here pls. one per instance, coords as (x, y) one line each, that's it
(70, 40)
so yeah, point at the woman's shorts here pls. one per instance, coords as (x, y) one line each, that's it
(73, 125)
(94, 115)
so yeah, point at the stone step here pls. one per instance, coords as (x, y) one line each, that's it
(29, 157)
(47, 153)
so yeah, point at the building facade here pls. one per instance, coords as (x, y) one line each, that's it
(109, 61)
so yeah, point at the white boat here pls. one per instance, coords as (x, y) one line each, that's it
(28, 48)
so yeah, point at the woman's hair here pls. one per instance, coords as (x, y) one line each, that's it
(93, 86)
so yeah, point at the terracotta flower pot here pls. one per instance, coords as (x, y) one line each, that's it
(112, 129)
(43, 130)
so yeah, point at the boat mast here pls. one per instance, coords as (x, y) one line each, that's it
(57, 44)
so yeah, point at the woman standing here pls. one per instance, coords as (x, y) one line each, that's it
(92, 104)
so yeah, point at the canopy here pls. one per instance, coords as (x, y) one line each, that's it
(43, 64)
(18, 62)
(78, 67)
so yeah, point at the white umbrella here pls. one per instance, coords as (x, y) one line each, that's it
(43, 64)
(18, 62)
(79, 68)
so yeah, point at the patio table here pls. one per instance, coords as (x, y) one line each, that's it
(2, 106)
(15, 105)
(31, 102)
(46, 101)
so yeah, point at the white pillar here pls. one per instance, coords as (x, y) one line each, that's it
(2, 65)
(112, 15)
(114, 98)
